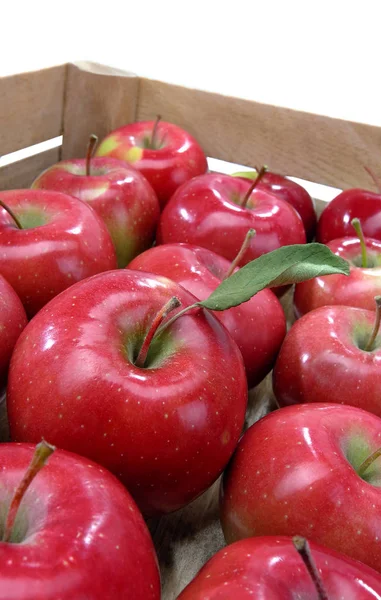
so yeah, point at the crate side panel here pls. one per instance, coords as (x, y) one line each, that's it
(98, 99)
(31, 108)
(21, 174)
(313, 147)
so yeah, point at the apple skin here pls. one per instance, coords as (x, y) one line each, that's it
(290, 192)
(178, 159)
(63, 240)
(292, 474)
(204, 212)
(84, 538)
(166, 431)
(12, 321)
(257, 326)
(120, 195)
(321, 358)
(270, 568)
(335, 220)
(359, 289)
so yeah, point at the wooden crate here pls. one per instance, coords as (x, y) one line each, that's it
(75, 100)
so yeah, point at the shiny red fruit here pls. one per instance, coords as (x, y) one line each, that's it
(257, 326)
(166, 430)
(270, 568)
(358, 289)
(335, 220)
(174, 158)
(294, 194)
(206, 212)
(120, 195)
(62, 241)
(295, 472)
(323, 358)
(78, 534)
(12, 322)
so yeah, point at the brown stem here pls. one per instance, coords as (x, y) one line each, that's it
(41, 454)
(360, 234)
(152, 144)
(258, 178)
(376, 325)
(376, 180)
(368, 461)
(241, 253)
(11, 213)
(93, 140)
(303, 548)
(165, 310)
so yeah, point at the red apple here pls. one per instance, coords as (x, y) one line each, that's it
(120, 195)
(258, 326)
(335, 220)
(62, 241)
(300, 471)
(163, 152)
(324, 357)
(211, 211)
(291, 192)
(12, 322)
(359, 289)
(77, 533)
(270, 568)
(167, 428)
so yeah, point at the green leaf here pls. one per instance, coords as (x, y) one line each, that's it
(286, 265)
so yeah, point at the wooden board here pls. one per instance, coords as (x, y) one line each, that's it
(299, 144)
(98, 99)
(21, 174)
(31, 108)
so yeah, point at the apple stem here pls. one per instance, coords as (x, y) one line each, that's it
(360, 234)
(368, 461)
(152, 144)
(242, 251)
(159, 318)
(376, 180)
(258, 178)
(41, 454)
(11, 213)
(376, 326)
(303, 548)
(93, 140)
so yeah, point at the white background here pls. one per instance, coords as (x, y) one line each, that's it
(323, 57)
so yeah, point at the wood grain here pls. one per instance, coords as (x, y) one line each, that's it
(98, 99)
(21, 174)
(299, 144)
(31, 108)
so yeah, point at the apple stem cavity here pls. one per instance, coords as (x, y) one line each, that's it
(376, 180)
(360, 234)
(376, 326)
(303, 548)
(159, 318)
(258, 178)
(41, 454)
(241, 253)
(93, 141)
(11, 213)
(368, 462)
(152, 143)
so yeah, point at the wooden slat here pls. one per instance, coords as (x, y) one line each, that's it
(31, 108)
(98, 99)
(299, 144)
(21, 174)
